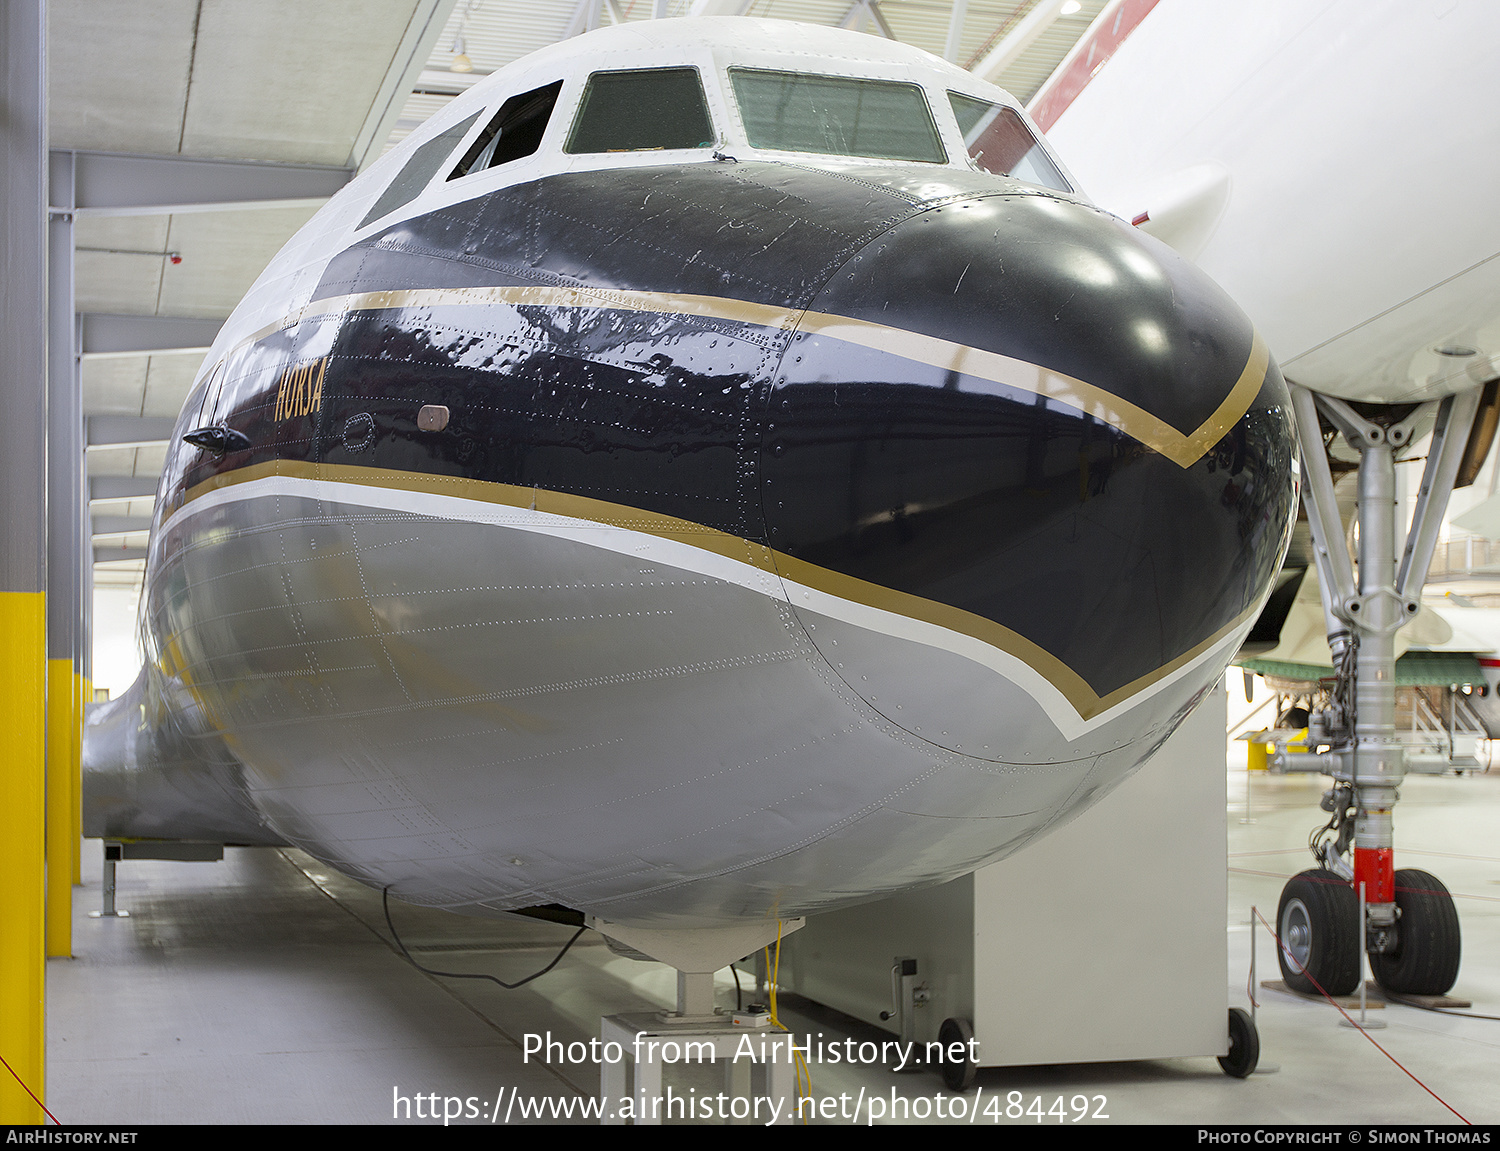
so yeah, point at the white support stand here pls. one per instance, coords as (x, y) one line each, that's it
(1104, 940)
(756, 1089)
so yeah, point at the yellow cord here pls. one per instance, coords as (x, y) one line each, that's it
(804, 1074)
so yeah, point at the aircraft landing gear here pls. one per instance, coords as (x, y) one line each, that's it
(1410, 928)
(1423, 957)
(1318, 922)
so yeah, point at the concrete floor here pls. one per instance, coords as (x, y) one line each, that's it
(263, 989)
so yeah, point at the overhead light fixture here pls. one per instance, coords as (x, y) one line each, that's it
(1070, 7)
(461, 61)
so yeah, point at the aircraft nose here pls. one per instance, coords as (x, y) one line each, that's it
(1020, 420)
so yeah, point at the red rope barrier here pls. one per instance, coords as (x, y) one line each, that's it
(28, 1090)
(1353, 1024)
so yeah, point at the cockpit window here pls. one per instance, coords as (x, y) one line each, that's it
(836, 116)
(641, 111)
(515, 132)
(999, 142)
(422, 166)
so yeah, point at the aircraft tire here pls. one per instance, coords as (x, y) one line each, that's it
(958, 1074)
(1428, 943)
(1244, 1045)
(1318, 924)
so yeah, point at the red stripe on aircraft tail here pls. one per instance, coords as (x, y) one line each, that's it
(1101, 42)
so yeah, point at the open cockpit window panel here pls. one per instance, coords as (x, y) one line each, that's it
(645, 110)
(999, 142)
(421, 168)
(515, 132)
(836, 116)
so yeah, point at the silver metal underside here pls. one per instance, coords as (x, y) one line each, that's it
(488, 708)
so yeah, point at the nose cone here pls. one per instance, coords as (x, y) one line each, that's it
(1019, 418)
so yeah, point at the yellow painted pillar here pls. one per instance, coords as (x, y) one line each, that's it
(85, 696)
(61, 743)
(23, 712)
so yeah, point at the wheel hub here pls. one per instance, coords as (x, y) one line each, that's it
(1296, 933)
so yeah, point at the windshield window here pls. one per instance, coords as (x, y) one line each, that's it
(516, 131)
(657, 108)
(999, 141)
(836, 116)
(422, 166)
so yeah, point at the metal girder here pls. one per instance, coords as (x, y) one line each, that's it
(861, 11)
(129, 431)
(1018, 39)
(120, 525)
(955, 36)
(108, 554)
(23, 557)
(111, 335)
(422, 31)
(121, 488)
(117, 184)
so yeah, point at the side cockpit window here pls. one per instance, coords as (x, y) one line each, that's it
(421, 168)
(836, 115)
(515, 132)
(999, 142)
(652, 109)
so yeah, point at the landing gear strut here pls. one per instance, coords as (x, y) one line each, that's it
(1410, 929)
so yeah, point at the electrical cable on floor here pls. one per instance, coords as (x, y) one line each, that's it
(1355, 1025)
(773, 971)
(385, 903)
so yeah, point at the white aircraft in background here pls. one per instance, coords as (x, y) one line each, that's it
(714, 471)
(1332, 166)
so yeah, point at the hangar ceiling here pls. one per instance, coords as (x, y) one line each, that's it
(332, 84)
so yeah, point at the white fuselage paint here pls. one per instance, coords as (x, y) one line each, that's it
(1330, 164)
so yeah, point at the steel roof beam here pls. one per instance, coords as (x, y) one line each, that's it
(104, 554)
(117, 184)
(129, 431)
(109, 335)
(121, 488)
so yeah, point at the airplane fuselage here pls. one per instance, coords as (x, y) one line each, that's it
(687, 538)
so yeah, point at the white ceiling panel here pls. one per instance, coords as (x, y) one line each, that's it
(115, 385)
(118, 73)
(222, 253)
(112, 462)
(115, 282)
(149, 462)
(287, 80)
(169, 379)
(135, 233)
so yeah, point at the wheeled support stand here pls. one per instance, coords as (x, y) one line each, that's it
(1410, 928)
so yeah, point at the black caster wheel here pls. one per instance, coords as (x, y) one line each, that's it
(1244, 1045)
(1318, 922)
(1425, 958)
(958, 1074)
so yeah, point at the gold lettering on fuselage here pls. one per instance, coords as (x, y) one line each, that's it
(299, 392)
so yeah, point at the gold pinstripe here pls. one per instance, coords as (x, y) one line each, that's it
(1068, 682)
(1183, 449)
